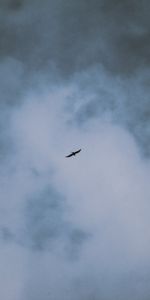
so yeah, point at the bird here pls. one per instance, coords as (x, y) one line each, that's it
(73, 153)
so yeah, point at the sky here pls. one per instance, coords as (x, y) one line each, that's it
(74, 74)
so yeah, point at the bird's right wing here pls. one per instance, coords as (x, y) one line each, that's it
(77, 151)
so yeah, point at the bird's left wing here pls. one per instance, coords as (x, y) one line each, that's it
(69, 155)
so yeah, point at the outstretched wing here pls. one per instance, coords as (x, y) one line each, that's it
(73, 153)
(77, 151)
(69, 155)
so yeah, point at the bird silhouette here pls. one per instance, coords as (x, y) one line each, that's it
(73, 153)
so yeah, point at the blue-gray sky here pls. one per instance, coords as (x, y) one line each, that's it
(74, 74)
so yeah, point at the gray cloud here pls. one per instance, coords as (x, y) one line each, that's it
(77, 35)
(84, 222)
(74, 74)
(53, 40)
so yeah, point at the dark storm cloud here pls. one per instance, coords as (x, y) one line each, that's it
(77, 34)
(11, 4)
(115, 34)
(12, 81)
(56, 39)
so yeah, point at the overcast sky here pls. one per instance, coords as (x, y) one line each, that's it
(74, 74)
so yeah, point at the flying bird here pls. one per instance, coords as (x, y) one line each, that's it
(73, 153)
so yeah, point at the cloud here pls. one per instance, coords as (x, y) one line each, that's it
(77, 35)
(74, 75)
(86, 218)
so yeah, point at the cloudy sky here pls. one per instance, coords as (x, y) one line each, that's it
(74, 74)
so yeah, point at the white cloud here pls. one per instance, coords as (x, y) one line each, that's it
(106, 196)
